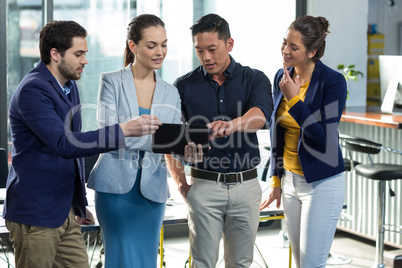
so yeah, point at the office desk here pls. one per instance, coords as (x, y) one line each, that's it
(371, 116)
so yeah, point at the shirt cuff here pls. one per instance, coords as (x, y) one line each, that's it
(293, 101)
(275, 181)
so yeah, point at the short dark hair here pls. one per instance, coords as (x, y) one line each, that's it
(314, 30)
(135, 32)
(211, 23)
(58, 35)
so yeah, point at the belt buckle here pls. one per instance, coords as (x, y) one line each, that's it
(228, 174)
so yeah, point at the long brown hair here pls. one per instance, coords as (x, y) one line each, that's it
(134, 32)
(314, 30)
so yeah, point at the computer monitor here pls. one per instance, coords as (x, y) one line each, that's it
(390, 82)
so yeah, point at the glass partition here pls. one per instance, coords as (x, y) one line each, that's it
(257, 27)
(23, 24)
(106, 23)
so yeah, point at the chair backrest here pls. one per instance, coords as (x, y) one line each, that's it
(3, 168)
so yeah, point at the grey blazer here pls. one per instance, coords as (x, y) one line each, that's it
(115, 172)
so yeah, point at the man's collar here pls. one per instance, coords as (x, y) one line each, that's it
(229, 70)
(67, 86)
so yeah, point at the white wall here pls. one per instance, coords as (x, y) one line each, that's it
(257, 28)
(347, 42)
(387, 19)
(180, 44)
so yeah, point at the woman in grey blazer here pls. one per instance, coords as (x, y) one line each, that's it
(130, 184)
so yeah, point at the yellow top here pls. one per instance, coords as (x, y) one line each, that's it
(291, 135)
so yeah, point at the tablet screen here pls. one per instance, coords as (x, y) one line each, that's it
(171, 138)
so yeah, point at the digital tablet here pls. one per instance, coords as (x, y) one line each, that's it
(171, 138)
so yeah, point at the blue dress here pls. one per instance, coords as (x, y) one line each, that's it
(130, 225)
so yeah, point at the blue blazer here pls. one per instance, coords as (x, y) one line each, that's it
(115, 172)
(318, 117)
(47, 173)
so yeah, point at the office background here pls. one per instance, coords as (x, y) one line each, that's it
(257, 27)
(254, 28)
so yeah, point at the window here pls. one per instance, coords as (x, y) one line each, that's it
(257, 29)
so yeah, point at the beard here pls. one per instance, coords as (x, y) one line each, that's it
(67, 71)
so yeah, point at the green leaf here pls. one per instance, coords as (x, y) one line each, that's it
(350, 72)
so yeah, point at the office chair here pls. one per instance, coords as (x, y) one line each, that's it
(349, 162)
(380, 172)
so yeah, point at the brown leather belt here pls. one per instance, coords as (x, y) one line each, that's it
(227, 178)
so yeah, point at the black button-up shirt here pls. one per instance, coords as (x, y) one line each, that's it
(204, 101)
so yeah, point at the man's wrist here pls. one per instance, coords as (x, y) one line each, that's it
(123, 128)
(236, 124)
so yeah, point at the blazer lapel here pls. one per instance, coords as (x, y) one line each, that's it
(313, 87)
(278, 98)
(74, 112)
(158, 97)
(279, 95)
(49, 76)
(76, 107)
(129, 90)
(61, 93)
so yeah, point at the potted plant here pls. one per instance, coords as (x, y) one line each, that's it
(350, 72)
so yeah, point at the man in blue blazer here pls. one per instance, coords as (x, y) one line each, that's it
(46, 187)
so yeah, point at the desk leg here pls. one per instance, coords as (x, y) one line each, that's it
(270, 218)
(6, 247)
(189, 255)
(95, 242)
(161, 247)
(290, 256)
